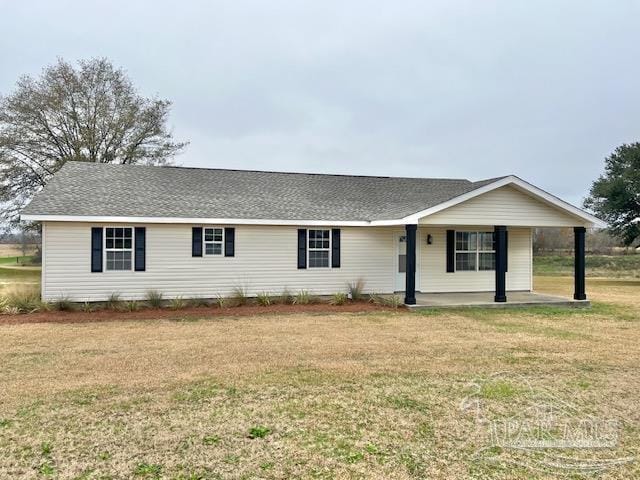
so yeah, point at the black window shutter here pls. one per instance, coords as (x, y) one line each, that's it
(302, 248)
(229, 242)
(196, 242)
(96, 249)
(506, 249)
(140, 262)
(335, 248)
(451, 251)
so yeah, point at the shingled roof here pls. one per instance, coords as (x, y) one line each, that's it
(108, 190)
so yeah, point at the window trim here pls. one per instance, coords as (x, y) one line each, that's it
(105, 269)
(329, 250)
(477, 251)
(213, 242)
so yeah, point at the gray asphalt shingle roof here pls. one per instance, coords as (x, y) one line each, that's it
(95, 189)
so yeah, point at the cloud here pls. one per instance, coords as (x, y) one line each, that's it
(471, 89)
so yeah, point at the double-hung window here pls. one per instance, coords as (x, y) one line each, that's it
(118, 248)
(319, 248)
(475, 251)
(213, 241)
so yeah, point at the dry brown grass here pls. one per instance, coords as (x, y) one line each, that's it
(14, 250)
(620, 291)
(372, 395)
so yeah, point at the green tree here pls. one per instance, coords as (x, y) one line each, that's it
(615, 195)
(89, 113)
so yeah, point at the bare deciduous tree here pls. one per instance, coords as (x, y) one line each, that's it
(91, 113)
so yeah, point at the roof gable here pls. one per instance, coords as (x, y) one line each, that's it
(507, 201)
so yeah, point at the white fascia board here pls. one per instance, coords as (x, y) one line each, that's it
(196, 221)
(519, 183)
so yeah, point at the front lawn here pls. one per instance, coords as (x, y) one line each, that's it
(375, 395)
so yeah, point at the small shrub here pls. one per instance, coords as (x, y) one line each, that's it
(264, 299)
(63, 304)
(286, 298)
(87, 307)
(302, 298)
(240, 296)
(393, 301)
(114, 302)
(132, 306)
(356, 290)
(221, 301)
(259, 432)
(154, 298)
(177, 303)
(339, 298)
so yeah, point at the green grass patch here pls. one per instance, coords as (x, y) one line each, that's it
(211, 440)
(198, 392)
(148, 470)
(596, 265)
(498, 390)
(21, 260)
(19, 270)
(259, 432)
(404, 402)
(599, 309)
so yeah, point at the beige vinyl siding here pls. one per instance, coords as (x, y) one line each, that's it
(433, 266)
(265, 260)
(504, 206)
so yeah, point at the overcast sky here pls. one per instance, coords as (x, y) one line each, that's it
(474, 89)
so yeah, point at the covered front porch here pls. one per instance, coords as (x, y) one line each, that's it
(487, 273)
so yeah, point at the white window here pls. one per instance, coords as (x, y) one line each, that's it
(319, 248)
(213, 241)
(118, 246)
(475, 251)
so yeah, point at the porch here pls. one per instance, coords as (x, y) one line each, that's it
(468, 257)
(487, 300)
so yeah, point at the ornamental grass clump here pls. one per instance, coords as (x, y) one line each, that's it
(356, 290)
(154, 298)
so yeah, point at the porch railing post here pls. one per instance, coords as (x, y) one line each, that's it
(410, 283)
(501, 263)
(579, 263)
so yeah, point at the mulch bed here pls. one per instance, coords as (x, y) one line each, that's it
(190, 312)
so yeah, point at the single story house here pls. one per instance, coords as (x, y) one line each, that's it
(196, 232)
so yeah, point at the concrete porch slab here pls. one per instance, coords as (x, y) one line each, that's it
(485, 300)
